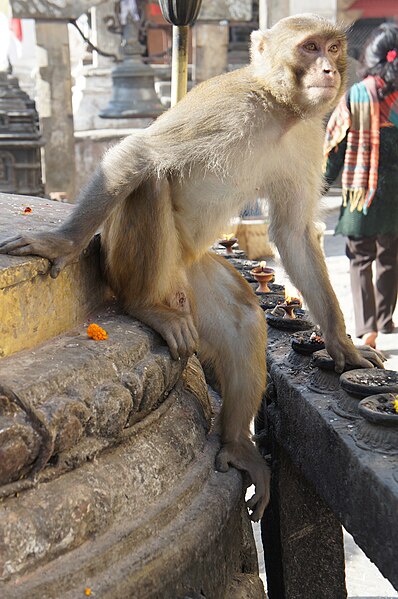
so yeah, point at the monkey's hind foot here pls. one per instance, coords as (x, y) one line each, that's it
(244, 456)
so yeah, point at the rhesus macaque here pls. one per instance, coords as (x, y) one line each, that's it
(163, 194)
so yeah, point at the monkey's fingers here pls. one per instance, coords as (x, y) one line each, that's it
(57, 265)
(17, 246)
(182, 337)
(374, 356)
(10, 244)
(339, 362)
(222, 461)
(258, 502)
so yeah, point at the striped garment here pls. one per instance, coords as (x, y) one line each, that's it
(367, 113)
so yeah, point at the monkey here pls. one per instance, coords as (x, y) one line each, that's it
(162, 195)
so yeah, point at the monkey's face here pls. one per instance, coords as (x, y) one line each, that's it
(317, 70)
(302, 63)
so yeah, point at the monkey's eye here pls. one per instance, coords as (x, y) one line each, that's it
(311, 47)
(334, 48)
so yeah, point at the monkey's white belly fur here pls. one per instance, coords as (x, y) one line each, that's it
(214, 199)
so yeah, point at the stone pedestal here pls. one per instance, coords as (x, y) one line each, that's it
(96, 93)
(54, 104)
(210, 49)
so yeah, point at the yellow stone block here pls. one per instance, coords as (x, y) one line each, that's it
(34, 307)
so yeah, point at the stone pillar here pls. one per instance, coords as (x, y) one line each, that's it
(210, 49)
(104, 39)
(54, 103)
(303, 540)
(211, 35)
(277, 9)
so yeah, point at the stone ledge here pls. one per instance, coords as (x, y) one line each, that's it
(34, 307)
(85, 394)
(148, 518)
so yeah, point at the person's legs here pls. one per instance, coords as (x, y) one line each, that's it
(386, 281)
(361, 252)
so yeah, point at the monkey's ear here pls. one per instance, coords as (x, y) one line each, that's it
(258, 41)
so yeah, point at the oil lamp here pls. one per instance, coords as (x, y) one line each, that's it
(263, 275)
(227, 241)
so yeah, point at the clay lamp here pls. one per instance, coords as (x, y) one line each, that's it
(263, 275)
(308, 343)
(379, 428)
(363, 382)
(290, 305)
(289, 315)
(228, 241)
(380, 409)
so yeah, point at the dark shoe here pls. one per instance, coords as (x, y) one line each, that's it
(388, 329)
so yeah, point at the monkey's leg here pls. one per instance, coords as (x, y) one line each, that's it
(176, 327)
(145, 268)
(232, 335)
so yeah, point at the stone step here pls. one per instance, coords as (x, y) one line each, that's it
(124, 500)
(34, 307)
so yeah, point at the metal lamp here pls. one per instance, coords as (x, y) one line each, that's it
(181, 14)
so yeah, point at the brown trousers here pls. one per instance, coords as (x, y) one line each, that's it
(374, 303)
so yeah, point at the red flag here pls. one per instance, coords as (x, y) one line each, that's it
(16, 28)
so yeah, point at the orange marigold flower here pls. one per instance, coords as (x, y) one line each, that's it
(395, 402)
(96, 332)
(87, 591)
(27, 210)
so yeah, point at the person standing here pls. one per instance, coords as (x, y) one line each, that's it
(362, 139)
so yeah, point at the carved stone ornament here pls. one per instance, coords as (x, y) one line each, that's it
(232, 10)
(51, 9)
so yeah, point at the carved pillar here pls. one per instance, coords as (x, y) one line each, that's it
(54, 104)
(210, 49)
(303, 540)
(102, 37)
(211, 35)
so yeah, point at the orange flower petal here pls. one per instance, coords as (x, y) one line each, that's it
(96, 332)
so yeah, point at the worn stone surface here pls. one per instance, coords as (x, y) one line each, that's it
(34, 307)
(309, 535)
(147, 518)
(245, 586)
(359, 485)
(84, 389)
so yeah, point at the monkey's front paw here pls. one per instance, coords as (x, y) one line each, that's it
(54, 246)
(345, 353)
(374, 356)
(181, 336)
(244, 456)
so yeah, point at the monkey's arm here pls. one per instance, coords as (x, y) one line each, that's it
(303, 260)
(122, 170)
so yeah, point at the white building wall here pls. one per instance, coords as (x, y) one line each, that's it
(278, 9)
(326, 8)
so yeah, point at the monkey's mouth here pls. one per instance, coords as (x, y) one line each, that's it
(328, 86)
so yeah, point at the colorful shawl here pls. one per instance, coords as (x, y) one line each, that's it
(367, 113)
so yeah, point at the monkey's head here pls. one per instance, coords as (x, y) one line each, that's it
(302, 61)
